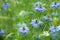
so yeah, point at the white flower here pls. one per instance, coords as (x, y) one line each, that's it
(21, 13)
(45, 33)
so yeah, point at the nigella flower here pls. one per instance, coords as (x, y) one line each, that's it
(53, 29)
(47, 18)
(55, 14)
(58, 4)
(35, 23)
(38, 7)
(54, 5)
(1, 32)
(5, 5)
(58, 28)
(23, 30)
(37, 4)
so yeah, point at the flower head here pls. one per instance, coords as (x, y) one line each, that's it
(52, 29)
(47, 18)
(54, 5)
(58, 28)
(35, 23)
(1, 32)
(42, 9)
(55, 14)
(58, 4)
(38, 7)
(23, 30)
(5, 5)
(37, 4)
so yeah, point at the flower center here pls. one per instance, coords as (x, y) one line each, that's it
(23, 28)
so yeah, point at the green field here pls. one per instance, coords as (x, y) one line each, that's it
(10, 17)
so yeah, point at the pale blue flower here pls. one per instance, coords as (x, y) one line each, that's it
(58, 4)
(55, 29)
(6, 5)
(54, 14)
(37, 7)
(37, 4)
(35, 23)
(40, 9)
(52, 29)
(47, 18)
(54, 5)
(24, 30)
(58, 28)
(1, 32)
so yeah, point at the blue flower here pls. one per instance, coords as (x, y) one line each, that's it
(54, 5)
(58, 4)
(38, 7)
(35, 23)
(23, 30)
(52, 29)
(58, 28)
(5, 5)
(1, 32)
(47, 18)
(55, 14)
(37, 4)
